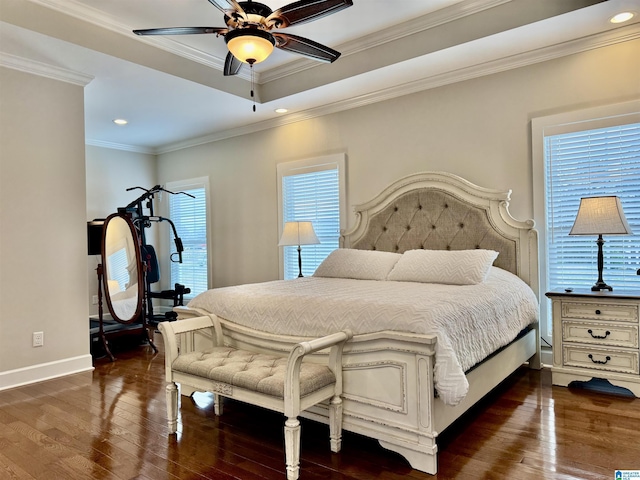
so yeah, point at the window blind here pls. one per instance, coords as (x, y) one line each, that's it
(312, 197)
(190, 218)
(117, 267)
(590, 163)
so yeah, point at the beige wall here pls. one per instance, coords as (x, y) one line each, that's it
(107, 190)
(479, 129)
(43, 282)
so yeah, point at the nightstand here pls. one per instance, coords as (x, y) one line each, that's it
(596, 335)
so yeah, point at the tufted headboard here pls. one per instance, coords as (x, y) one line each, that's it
(441, 211)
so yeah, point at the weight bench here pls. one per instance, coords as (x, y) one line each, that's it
(286, 385)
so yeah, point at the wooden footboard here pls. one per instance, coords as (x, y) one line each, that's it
(388, 389)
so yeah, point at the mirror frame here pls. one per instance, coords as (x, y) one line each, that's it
(137, 316)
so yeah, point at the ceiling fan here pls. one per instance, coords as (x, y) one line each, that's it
(249, 35)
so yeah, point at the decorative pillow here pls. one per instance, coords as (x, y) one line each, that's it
(452, 267)
(358, 264)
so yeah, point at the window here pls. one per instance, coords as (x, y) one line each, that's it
(311, 190)
(190, 218)
(586, 154)
(117, 264)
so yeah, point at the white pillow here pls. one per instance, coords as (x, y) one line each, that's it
(358, 264)
(451, 267)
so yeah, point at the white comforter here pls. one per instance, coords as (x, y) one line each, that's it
(470, 321)
(125, 303)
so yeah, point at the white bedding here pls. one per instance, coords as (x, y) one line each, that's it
(470, 321)
(125, 303)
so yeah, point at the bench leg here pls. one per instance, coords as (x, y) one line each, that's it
(335, 423)
(217, 403)
(292, 447)
(172, 406)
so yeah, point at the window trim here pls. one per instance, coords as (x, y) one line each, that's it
(565, 122)
(177, 186)
(310, 165)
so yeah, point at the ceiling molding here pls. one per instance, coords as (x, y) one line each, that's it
(416, 25)
(185, 51)
(405, 29)
(96, 17)
(44, 70)
(120, 146)
(610, 37)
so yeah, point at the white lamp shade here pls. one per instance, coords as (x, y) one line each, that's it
(600, 216)
(250, 45)
(298, 233)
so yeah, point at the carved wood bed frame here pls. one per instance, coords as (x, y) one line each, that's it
(388, 376)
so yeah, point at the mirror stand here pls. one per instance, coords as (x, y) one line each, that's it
(103, 337)
(121, 276)
(102, 333)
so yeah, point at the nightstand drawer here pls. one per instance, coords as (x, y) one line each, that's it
(600, 311)
(608, 359)
(600, 334)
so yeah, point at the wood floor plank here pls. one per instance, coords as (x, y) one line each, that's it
(111, 424)
(10, 469)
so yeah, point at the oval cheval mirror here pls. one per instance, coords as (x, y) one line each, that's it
(122, 275)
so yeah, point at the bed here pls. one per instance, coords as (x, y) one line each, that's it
(423, 352)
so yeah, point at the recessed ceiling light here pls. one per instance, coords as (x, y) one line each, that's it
(622, 17)
(120, 121)
(281, 110)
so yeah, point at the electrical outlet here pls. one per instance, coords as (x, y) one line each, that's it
(38, 339)
(94, 300)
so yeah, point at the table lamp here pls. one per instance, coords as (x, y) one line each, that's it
(600, 216)
(298, 233)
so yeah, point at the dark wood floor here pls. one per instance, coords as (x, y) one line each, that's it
(110, 424)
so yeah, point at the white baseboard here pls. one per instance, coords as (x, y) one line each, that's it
(45, 371)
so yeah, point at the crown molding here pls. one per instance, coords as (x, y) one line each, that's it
(120, 146)
(44, 70)
(611, 37)
(405, 29)
(532, 57)
(96, 17)
(439, 17)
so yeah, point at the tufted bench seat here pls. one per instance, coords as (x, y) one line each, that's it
(257, 372)
(286, 385)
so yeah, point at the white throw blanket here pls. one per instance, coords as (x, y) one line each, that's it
(470, 321)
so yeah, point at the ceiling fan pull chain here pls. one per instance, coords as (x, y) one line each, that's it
(252, 86)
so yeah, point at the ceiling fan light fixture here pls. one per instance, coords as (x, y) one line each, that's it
(250, 45)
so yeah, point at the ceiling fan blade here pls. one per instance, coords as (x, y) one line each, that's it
(181, 31)
(230, 8)
(305, 11)
(226, 6)
(306, 47)
(231, 65)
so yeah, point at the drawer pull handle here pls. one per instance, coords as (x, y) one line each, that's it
(599, 337)
(600, 361)
(598, 312)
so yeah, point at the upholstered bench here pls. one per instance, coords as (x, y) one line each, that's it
(287, 385)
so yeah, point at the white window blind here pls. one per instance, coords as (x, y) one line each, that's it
(190, 218)
(312, 190)
(312, 197)
(589, 163)
(117, 268)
